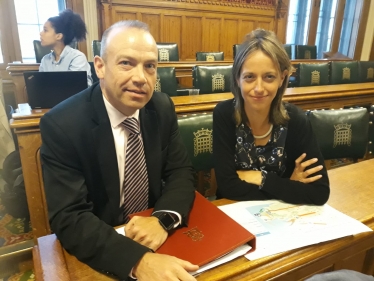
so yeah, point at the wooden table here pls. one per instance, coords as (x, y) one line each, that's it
(352, 192)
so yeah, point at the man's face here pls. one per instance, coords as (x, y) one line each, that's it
(129, 72)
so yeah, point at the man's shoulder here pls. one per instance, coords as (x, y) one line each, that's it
(159, 102)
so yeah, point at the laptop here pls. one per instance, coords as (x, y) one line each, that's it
(47, 89)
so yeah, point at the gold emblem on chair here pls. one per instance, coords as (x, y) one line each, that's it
(158, 85)
(195, 234)
(218, 82)
(163, 54)
(346, 73)
(370, 73)
(210, 58)
(342, 134)
(307, 54)
(203, 141)
(315, 77)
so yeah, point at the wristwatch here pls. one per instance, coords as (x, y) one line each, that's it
(166, 219)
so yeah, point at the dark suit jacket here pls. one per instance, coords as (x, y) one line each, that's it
(81, 180)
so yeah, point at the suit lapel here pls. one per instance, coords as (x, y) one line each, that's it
(105, 150)
(152, 150)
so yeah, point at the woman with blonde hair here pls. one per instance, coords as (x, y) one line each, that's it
(264, 148)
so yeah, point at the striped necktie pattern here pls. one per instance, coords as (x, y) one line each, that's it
(135, 184)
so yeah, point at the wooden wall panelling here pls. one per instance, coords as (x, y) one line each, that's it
(192, 34)
(171, 30)
(229, 35)
(210, 40)
(154, 22)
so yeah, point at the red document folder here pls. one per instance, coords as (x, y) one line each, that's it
(210, 234)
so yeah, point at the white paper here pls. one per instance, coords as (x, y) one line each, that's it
(280, 227)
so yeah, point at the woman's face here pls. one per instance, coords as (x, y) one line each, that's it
(48, 35)
(259, 82)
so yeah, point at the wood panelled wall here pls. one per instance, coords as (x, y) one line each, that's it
(195, 25)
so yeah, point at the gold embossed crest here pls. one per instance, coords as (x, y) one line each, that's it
(195, 234)
(315, 77)
(203, 141)
(342, 134)
(370, 73)
(158, 85)
(346, 73)
(218, 82)
(210, 58)
(307, 54)
(163, 54)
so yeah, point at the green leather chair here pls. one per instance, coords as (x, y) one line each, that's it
(166, 81)
(305, 52)
(197, 133)
(41, 51)
(168, 52)
(209, 56)
(288, 48)
(313, 74)
(235, 49)
(96, 47)
(341, 133)
(371, 132)
(343, 72)
(93, 72)
(212, 79)
(365, 71)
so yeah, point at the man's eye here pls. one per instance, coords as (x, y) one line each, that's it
(125, 62)
(151, 65)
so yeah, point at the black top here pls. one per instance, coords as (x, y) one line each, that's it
(299, 139)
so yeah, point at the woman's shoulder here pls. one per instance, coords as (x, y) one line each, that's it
(294, 111)
(225, 106)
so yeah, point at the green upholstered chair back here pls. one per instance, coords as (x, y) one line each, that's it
(305, 52)
(168, 52)
(343, 72)
(197, 134)
(288, 48)
(209, 56)
(166, 81)
(96, 47)
(212, 79)
(93, 72)
(371, 132)
(41, 51)
(313, 74)
(341, 133)
(365, 71)
(235, 50)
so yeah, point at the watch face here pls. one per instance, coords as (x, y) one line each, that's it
(167, 221)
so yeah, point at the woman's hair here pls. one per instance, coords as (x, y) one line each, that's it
(267, 42)
(70, 25)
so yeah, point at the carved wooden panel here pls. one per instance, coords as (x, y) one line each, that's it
(194, 26)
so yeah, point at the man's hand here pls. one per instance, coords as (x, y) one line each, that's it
(158, 267)
(146, 231)
(300, 173)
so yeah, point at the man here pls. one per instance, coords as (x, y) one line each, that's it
(85, 152)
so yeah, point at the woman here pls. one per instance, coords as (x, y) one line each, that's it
(58, 32)
(263, 148)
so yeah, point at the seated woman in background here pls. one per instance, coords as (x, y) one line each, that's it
(264, 148)
(58, 32)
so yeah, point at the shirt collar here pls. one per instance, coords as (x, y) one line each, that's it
(116, 117)
(64, 52)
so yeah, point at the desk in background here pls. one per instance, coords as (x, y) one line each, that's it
(351, 193)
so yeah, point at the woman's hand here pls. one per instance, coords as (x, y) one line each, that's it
(301, 173)
(250, 176)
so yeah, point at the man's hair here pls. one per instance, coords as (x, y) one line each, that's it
(268, 43)
(123, 25)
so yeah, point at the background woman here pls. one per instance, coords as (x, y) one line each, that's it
(58, 32)
(263, 148)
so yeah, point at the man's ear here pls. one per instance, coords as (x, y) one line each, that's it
(99, 67)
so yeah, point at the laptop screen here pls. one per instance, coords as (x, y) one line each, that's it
(47, 89)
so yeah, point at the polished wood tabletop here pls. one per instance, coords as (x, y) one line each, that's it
(352, 192)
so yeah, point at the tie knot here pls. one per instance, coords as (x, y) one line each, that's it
(132, 125)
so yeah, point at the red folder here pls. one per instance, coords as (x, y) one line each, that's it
(210, 234)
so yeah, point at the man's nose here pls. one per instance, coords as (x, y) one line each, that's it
(139, 75)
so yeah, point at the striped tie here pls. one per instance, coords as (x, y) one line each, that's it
(135, 184)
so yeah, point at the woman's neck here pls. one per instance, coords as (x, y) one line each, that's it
(57, 50)
(258, 121)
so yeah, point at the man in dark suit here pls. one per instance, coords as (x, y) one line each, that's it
(84, 153)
